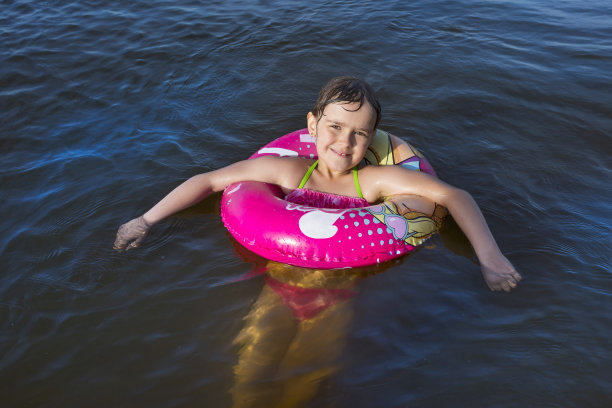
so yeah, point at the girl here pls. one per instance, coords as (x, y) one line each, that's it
(343, 122)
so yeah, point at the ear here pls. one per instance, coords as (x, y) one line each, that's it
(311, 119)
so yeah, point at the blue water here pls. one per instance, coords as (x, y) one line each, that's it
(106, 106)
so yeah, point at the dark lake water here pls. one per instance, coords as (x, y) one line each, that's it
(105, 106)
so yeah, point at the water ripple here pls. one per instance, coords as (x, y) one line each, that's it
(105, 107)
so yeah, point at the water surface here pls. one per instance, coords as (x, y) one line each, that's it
(106, 106)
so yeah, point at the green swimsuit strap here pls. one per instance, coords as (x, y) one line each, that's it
(314, 165)
(357, 186)
(308, 173)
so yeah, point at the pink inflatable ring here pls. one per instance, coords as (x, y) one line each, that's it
(257, 215)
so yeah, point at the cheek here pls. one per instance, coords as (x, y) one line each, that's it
(365, 144)
(323, 137)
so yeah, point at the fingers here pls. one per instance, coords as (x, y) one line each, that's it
(136, 243)
(500, 275)
(506, 285)
(119, 244)
(123, 243)
(124, 246)
(512, 281)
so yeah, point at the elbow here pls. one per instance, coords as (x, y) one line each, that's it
(202, 183)
(455, 196)
(461, 194)
(216, 184)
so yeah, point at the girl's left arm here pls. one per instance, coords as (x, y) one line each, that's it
(498, 272)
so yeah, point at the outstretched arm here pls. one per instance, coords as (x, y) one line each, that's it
(497, 271)
(194, 190)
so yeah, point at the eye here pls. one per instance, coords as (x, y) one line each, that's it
(334, 126)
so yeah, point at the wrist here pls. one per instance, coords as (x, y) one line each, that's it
(147, 220)
(490, 259)
(488, 254)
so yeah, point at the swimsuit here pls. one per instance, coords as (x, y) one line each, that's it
(320, 199)
(306, 303)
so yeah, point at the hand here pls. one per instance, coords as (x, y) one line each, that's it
(131, 234)
(499, 274)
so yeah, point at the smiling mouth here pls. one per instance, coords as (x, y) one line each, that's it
(341, 154)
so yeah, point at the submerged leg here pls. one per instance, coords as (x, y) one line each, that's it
(263, 341)
(293, 336)
(313, 355)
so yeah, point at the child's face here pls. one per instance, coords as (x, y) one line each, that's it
(343, 134)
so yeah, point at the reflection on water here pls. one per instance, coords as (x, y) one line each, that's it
(297, 328)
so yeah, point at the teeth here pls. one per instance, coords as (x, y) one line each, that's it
(341, 154)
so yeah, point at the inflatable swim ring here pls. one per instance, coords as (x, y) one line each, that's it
(259, 218)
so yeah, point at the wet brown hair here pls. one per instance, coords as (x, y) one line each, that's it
(347, 89)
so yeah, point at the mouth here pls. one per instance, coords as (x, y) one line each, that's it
(341, 154)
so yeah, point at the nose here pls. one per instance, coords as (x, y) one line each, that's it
(345, 137)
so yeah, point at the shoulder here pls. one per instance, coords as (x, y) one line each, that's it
(283, 171)
(383, 181)
(277, 163)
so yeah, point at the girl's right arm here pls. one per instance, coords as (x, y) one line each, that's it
(194, 190)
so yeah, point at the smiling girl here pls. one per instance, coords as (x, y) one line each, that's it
(343, 123)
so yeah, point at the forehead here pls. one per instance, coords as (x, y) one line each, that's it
(351, 114)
